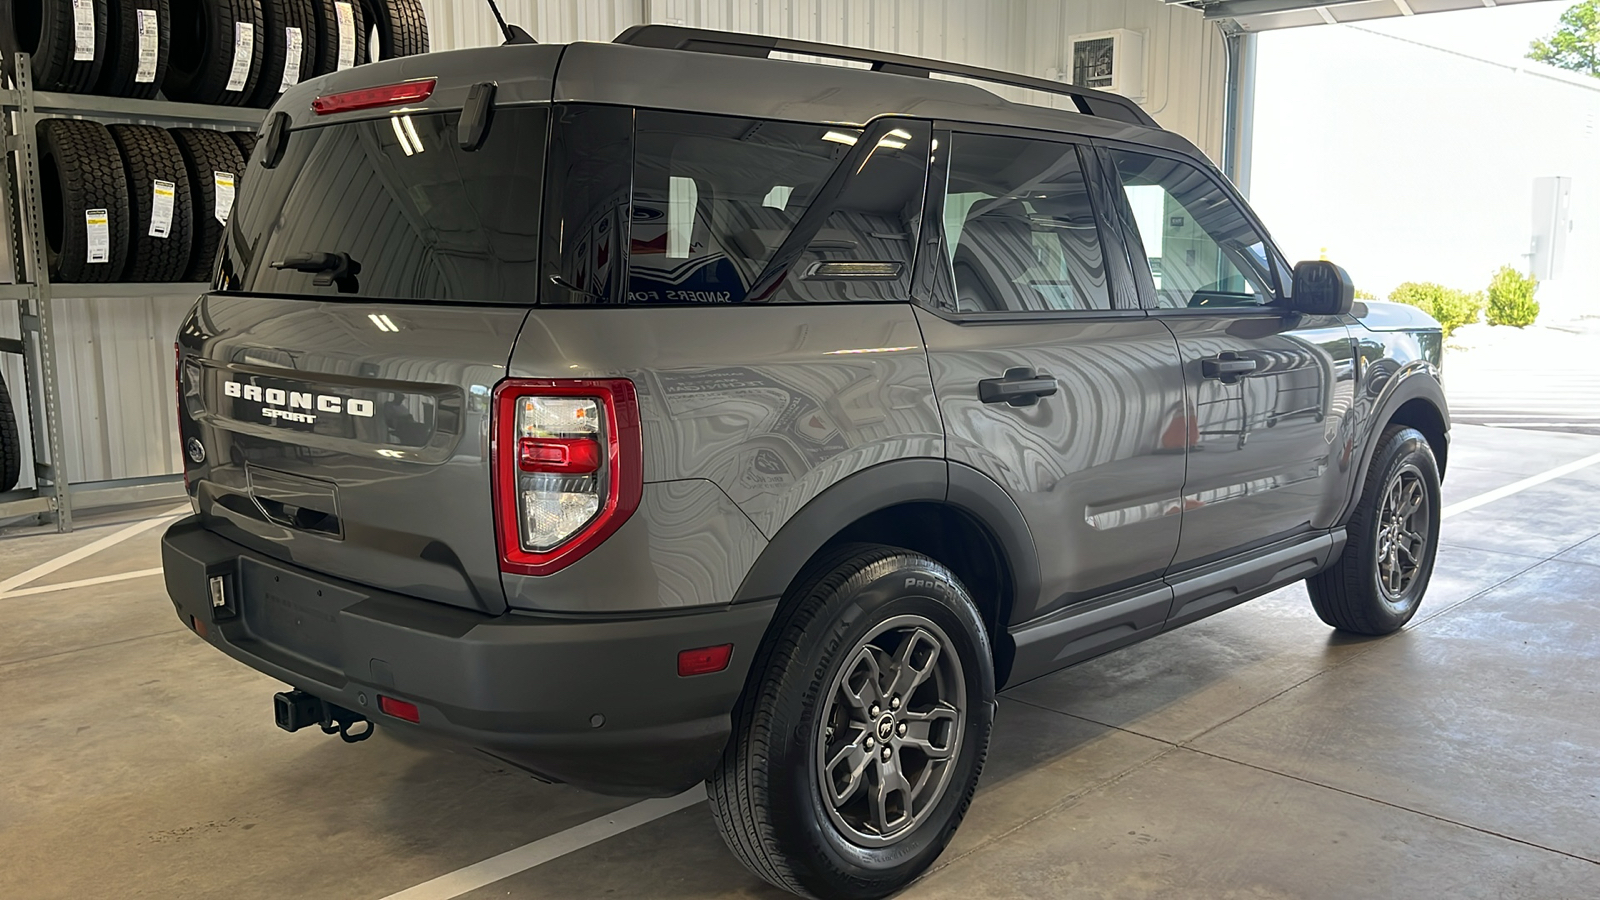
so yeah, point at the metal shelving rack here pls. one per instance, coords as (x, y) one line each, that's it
(21, 109)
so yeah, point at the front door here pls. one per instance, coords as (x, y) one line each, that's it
(1266, 391)
(1050, 378)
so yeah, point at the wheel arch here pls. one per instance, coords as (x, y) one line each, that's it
(1417, 401)
(948, 511)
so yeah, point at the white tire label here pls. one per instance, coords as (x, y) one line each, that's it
(82, 31)
(161, 201)
(294, 49)
(149, 46)
(244, 49)
(99, 223)
(224, 183)
(347, 34)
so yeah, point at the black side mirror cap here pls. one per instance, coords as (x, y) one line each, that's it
(1321, 289)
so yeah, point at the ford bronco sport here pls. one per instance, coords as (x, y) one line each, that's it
(657, 411)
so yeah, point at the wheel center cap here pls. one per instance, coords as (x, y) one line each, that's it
(886, 728)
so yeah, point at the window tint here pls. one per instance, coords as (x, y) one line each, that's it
(1202, 250)
(715, 198)
(1019, 231)
(424, 219)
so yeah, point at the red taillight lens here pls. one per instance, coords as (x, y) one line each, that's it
(567, 468)
(374, 97)
(704, 660)
(400, 709)
(575, 456)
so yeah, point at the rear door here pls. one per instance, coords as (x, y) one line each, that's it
(1050, 379)
(1266, 391)
(338, 420)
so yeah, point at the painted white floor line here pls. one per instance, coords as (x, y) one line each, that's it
(1518, 486)
(89, 549)
(87, 582)
(509, 863)
(545, 849)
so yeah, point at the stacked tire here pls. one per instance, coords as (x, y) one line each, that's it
(135, 202)
(223, 52)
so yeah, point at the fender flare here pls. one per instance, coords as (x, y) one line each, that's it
(891, 484)
(1412, 384)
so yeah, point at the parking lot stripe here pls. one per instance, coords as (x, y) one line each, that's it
(88, 550)
(87, 582)
(1517, 486)
(547, 848)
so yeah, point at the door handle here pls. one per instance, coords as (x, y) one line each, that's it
(1018, 387)
(1227, 367)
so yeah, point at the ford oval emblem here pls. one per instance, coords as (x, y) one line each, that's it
(196, 450)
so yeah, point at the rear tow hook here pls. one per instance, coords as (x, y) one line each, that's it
(294, 710)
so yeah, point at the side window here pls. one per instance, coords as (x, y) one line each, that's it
(1202, 251)
(715, 198)
(1019, 230)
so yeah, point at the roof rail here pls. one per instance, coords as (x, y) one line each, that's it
(676, 37)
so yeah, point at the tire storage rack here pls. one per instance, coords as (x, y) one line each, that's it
(21, 110)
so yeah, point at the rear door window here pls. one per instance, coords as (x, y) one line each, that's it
(720, 205)
(1020, 233)
(424, 219)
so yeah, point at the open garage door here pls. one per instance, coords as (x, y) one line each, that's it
(1271, 15)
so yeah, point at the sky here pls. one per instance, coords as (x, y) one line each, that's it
(1501, 33)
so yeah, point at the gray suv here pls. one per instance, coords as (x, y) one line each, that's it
(656, 412)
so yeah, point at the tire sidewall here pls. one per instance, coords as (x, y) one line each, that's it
(1407, 447)
(877, 593)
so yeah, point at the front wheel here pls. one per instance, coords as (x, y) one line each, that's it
(1377, 583)
(858, 743)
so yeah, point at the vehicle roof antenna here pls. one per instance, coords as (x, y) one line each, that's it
(514, 33)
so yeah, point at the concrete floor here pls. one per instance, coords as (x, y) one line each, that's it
(1252, 755)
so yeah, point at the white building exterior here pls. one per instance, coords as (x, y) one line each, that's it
(1411, 163)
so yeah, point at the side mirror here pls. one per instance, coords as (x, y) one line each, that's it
(1321, 289)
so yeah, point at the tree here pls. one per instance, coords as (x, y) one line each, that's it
(1575, 45)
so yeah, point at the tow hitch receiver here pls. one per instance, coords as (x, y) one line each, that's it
(295, 710)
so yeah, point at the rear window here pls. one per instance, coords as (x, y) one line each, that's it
(424, 219)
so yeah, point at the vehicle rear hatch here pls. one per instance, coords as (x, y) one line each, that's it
(376, 268)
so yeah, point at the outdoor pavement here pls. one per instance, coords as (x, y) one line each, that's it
(1255, 754)
(1545, 377)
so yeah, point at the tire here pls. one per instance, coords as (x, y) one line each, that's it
(206, 153)
(80, 170)
(119, 77)
(768, 794)
(277, 15)
(150, 154)
(1359, 593)
(326, 15)
(45, 29)
(246, 142)
(203, 48)
(400, 27)
(10, 442)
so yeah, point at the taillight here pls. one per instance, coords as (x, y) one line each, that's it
(567, 468)
(374, 97)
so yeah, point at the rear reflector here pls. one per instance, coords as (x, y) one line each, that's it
(372, 98)
(200, 629)
(704, 660)
(400, 709)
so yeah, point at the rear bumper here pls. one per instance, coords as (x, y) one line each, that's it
(526, 688)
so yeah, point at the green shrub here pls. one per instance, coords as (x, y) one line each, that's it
(1511, 298)
(1365, 295)
(1451, 307)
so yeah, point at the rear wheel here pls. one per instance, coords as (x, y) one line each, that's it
(860, 738)
(1377, 584)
